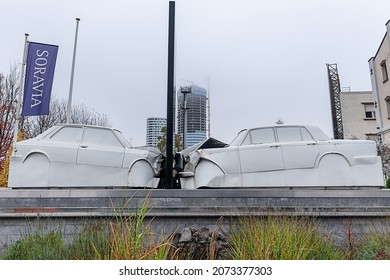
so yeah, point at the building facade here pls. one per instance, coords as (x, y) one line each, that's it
(192, 101)
(153, 130)
(358, 115)
(381, 86)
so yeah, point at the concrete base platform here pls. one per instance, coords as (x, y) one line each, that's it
(194, 203)
(339, 212)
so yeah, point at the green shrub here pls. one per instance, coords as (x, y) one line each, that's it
(37, 246)
(280, 238)
(90, 243)
(376, 246)
(387, 185)
(124, 238)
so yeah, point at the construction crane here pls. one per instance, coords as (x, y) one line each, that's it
(335, 101)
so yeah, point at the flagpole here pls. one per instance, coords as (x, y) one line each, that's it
(69, 108)
(19, 97)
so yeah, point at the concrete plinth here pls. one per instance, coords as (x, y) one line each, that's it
(338, 211)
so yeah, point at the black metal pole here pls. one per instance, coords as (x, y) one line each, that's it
(170, 95)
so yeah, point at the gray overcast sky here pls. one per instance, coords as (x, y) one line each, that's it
(265, 59)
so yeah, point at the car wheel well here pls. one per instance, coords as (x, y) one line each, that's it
(334, 169)
(141, 174)
(205, 172)
(35, 169)
(327, 155)
(35, 153)
(138, 161)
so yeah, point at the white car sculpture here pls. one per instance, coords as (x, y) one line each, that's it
(82, 156)
(282, 156)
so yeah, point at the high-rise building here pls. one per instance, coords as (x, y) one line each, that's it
(153, 130)
(195, 98)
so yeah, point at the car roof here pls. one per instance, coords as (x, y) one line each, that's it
(281, 125)
(83, 125)
(86, 125)
(315, 131)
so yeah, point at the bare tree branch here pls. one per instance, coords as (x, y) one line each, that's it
(9, 87)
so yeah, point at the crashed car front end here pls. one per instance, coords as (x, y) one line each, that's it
(187, 161)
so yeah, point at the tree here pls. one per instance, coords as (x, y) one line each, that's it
(9, 87)
(5, 166)
(279, 122)
(162, 143)
(80, 114)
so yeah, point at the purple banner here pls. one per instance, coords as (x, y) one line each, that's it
(41, 62)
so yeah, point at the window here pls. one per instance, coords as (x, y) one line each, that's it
(260, 136)
(68, 134)
(369, 109)
(293, 134)
(306, 136)
(289, 134)
(101, 137)
(387, 99)
(384, 71)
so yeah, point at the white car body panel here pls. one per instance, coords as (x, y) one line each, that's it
(295, 156)
(260, 158)
(71, 156)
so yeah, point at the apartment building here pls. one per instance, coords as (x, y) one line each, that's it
(378, 66)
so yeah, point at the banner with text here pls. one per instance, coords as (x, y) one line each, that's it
(41, 61)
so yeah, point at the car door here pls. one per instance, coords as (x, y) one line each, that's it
(298, 147)
(62, 146)
(260, 152)
(100, 147)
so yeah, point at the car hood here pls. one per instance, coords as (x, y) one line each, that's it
(153, 150)
(209, 143)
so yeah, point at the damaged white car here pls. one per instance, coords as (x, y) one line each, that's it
(82, 156)
(281, 156)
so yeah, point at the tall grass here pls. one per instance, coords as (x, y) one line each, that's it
(280, 238)
(131, 239)
(375, 246)
(127, 237)
(90, 242)
(37, 246)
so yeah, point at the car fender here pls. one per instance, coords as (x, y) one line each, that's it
(141, 174)
(36, 152)
(326, 155)
(334, 169)
(209, 174)
(140, 161)
(35, 170)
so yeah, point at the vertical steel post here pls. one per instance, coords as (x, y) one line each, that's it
(18, 117)
(69, 107)
(170, 96)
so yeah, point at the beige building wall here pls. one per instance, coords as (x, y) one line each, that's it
(358, 115)
(380, 74)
